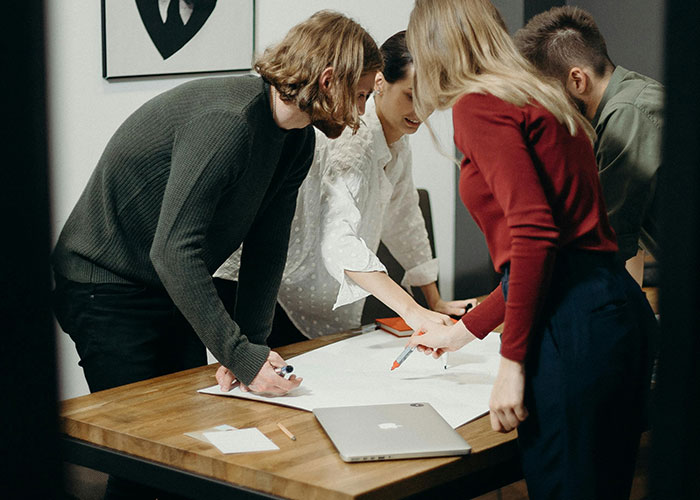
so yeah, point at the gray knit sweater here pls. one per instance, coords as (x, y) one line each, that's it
(182, 183)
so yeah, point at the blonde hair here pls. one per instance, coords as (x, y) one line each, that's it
(462, 47)
(326, 39)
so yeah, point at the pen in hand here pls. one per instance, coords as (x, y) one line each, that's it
(404, 354)
(285, 370)
(402, 357)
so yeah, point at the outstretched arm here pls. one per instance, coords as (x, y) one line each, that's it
(396, 298)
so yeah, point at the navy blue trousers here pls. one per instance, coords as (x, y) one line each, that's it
(586, 381)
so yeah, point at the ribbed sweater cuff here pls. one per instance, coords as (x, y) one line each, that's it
(247, 361)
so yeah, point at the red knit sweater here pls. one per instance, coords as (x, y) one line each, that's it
(532, 189)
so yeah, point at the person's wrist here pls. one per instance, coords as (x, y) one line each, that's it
(409, 309)
(461, 335)
(432, 299)
(512, 365)
(436, 304)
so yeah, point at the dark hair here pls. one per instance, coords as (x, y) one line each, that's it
(396, 57)
(563, 37)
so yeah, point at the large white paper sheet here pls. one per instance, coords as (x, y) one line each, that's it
(357, 371)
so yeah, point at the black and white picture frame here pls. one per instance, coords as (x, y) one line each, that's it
(165, 37)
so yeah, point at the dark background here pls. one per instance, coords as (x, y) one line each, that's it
(30, 464)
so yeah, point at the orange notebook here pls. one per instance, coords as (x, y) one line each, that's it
(396, 326)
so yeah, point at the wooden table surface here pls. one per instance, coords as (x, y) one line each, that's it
(148, 420)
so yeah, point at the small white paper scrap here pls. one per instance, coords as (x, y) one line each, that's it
(241, 441)
(219, 428)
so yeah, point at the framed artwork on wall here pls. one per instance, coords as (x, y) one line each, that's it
(165, 37)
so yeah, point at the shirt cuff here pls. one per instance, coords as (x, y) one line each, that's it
(422, 274)
(352, 292)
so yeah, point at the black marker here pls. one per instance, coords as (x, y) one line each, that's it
(285, 370)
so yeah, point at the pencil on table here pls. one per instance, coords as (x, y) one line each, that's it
(286, 431)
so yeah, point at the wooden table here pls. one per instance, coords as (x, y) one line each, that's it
(137, 431)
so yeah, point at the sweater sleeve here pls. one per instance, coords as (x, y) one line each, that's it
(205, 153)
(481, 320)
(265, 251)
(492, 135)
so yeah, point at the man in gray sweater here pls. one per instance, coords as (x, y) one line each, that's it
(184, 181)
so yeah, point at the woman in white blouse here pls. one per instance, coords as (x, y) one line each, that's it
(358, 192)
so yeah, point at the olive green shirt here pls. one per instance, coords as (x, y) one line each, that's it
(628, 124)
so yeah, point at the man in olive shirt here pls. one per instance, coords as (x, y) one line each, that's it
(625, 108)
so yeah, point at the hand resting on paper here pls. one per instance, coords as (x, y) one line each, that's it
(453, 307)
(437, 339)
(266, 381)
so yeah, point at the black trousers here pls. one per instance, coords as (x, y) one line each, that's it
(123, 334)
(127, 333)
(587, 379)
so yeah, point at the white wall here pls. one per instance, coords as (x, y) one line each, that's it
(85, 109)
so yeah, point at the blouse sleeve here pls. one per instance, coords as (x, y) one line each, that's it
(492, 136)
(343, 186)
(404, 232)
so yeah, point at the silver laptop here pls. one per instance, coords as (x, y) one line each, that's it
(392, 431)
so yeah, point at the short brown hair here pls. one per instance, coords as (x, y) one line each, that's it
(563, 37)
(327, 38)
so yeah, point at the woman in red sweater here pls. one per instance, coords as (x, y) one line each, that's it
(572, 376)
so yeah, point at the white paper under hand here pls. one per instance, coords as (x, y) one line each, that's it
(241, 441)
(355, 371)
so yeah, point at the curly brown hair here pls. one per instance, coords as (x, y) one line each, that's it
(326, 39)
